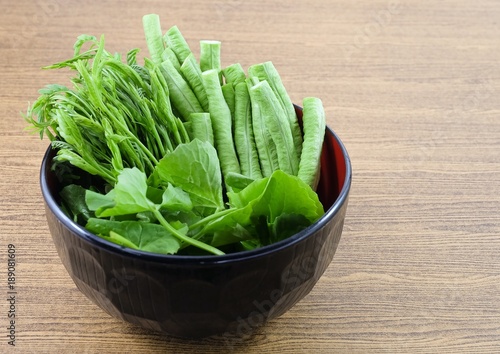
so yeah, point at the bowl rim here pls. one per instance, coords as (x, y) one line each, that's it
(100, 242)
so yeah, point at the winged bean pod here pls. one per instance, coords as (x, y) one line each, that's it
(154, 36)
(221, 123)
(267, 71)
(191, 71)
(243, 133)
(314, 133)
(266, 148)
(176, 41)
(277, 125)
(181, 94)
(234, 74)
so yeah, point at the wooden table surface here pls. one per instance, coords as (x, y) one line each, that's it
(412, 88)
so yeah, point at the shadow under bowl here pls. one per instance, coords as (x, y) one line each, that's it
(200, 296)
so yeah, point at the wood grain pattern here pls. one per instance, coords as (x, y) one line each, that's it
(412, 89)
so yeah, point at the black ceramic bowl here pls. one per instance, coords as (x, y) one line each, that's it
(199, 296)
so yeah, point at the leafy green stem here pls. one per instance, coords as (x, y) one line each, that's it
(210, 218)
(183, 237)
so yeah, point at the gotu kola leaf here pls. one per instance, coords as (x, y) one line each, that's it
(136, 234)
(194, 167)
(271, 197)
(128, 195)
(270, 201)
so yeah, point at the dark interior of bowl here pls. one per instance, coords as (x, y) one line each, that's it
(199, 296)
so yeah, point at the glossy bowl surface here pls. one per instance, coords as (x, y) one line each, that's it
(199, 296)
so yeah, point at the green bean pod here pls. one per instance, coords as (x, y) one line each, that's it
(182, 96)
(266, 149)
(176, 41)
(267, 71)
(168, 54)
(191, 71)
(314, 125)
(229, 97)
(234, 74)
(220, 116)
(210, 56)
(201, 127)
(243, 133)
(277, 124)
(154, 36)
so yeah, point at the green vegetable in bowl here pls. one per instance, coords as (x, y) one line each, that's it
(178, 156)
(276, 124)
(221, 122)
(314, 123)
